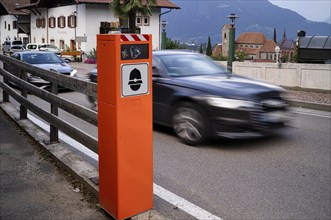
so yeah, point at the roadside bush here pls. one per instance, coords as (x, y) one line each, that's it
(90, 61)
(92, 54)
(219, 57)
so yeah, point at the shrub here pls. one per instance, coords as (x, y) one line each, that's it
(90, 61)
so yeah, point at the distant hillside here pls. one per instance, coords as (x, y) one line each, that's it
(196, 20)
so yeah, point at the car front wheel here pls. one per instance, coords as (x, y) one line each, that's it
(189, 123)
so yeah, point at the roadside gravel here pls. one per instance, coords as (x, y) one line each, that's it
(312, 97)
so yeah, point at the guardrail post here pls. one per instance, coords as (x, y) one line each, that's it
(24, 93)
(5, 95)
(54, 132)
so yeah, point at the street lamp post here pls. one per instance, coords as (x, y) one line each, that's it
(232, 31)
(164, 35)
(277, 50)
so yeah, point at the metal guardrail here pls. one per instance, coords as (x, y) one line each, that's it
(15, 71)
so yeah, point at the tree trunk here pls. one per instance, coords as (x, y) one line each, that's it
(132, 21)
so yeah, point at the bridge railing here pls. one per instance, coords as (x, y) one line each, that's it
(16, 72)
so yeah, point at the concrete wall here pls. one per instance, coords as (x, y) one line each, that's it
(296, 75)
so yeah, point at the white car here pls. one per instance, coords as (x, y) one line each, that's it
(47, 61)
(7, 45)
(43, 47)
(16, 48)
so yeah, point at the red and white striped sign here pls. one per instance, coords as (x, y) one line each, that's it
(134, 37)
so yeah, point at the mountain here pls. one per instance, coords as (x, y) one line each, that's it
(196, 20)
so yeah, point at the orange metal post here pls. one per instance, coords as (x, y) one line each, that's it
(125, 124)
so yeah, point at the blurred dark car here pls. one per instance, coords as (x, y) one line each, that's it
(199, 99)
(45, 60)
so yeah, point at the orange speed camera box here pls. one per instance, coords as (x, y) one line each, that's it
(125, 123)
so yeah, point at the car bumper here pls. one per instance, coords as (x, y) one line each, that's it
(248, 124)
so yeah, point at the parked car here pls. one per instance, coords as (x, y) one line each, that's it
(199, 99)
(45, 60)
(68, 58)
(8, 44)
(16, 48)
(43, 47)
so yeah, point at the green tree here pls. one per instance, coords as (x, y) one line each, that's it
(220, 57)
(275, 36)
(241, 55)
(171, 44)
(208, 50)
(201, 49)
(130, 8)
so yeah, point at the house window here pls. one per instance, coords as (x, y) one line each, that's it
(8, 27)
(224, 35)
(5, 24)
(61, 22)
(146, 21)
(251, 46)
(62, 45)
(256, 46)
(51, 22)
(72, 21)
(138, 21)
(40, 23)
(14, 24)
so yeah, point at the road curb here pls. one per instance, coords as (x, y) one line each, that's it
(310, 105)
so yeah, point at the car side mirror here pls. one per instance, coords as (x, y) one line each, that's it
(156, 71)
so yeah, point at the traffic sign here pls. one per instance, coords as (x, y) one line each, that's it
(134, 79)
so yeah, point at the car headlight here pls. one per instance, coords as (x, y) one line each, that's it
(73, 73)
(229, 103)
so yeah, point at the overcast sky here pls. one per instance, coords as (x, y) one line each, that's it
(314, 10)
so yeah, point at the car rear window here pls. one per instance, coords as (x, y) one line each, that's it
(17, 42)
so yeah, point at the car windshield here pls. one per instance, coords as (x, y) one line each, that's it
(181, 65)
(41, 58)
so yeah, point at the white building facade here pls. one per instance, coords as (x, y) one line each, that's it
(75, 26)
(9, 31)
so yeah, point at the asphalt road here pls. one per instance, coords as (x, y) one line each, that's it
(286, 176)
(282, 177)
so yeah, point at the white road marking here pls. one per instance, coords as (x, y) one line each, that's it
(159, 191)
(183, 204)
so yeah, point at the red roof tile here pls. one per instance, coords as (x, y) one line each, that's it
(269, 46)
(159, 3)
(251, 38)
(250, 51)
